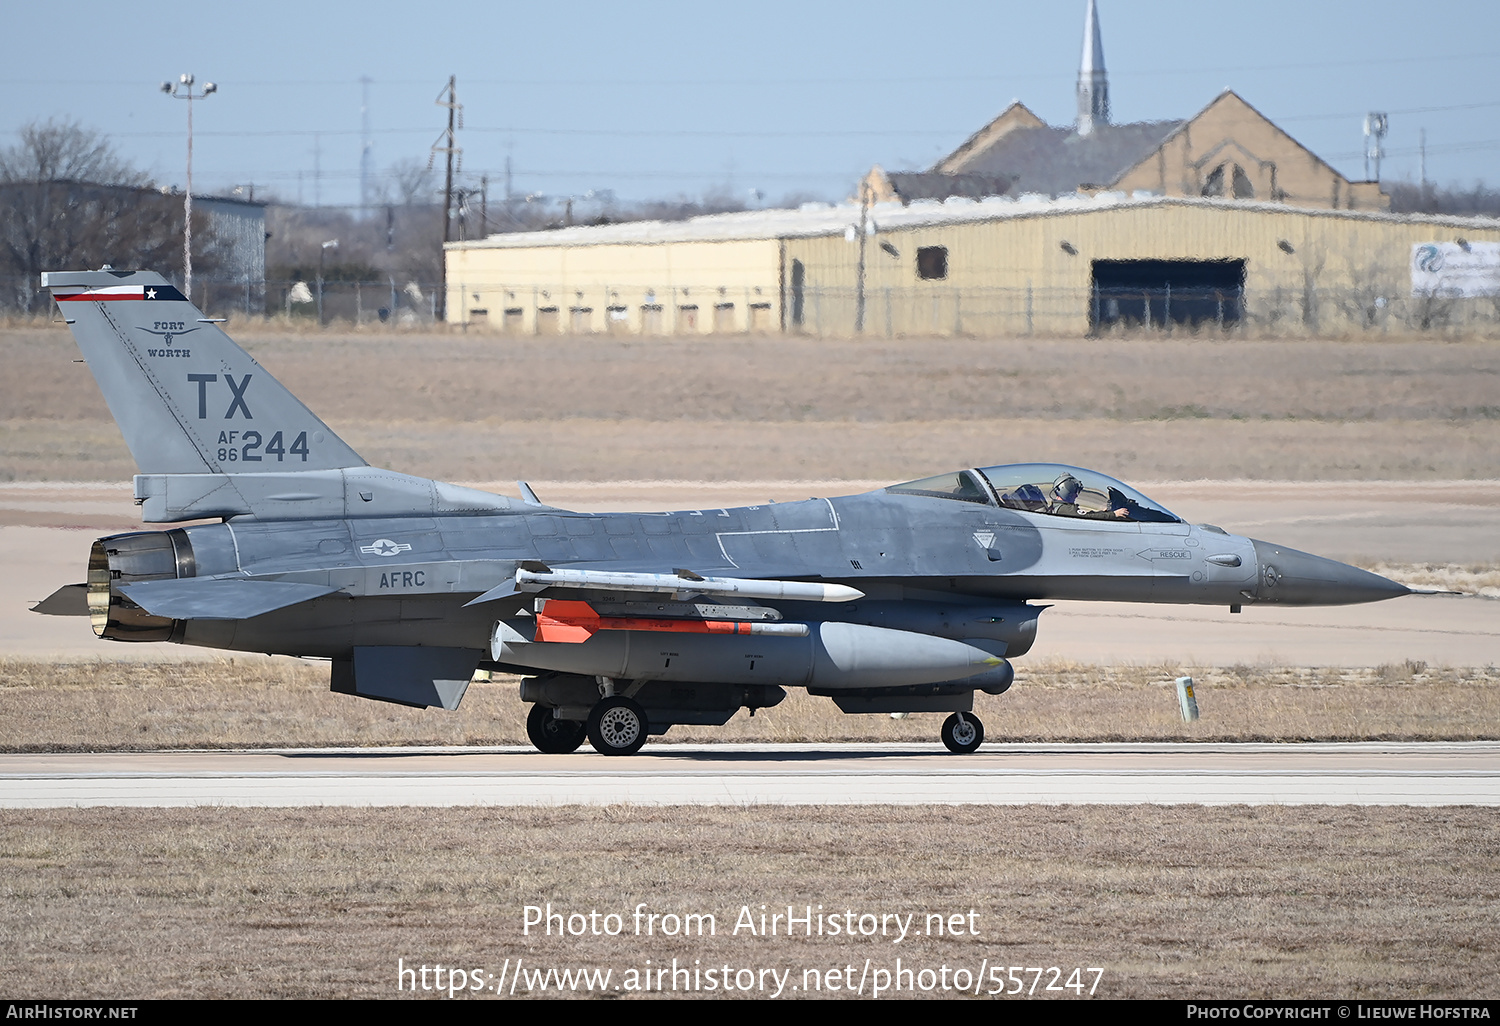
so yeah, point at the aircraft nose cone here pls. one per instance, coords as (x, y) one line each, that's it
(1298, 578)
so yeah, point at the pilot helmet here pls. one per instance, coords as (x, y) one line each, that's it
(1067, 487)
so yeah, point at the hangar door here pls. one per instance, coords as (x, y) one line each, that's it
(1158, 293)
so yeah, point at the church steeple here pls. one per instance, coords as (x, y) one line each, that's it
(1093, 83)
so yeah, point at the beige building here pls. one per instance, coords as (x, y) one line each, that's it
(1227, 150)
(1084, 263)
(652, 278)
(1116, 261)
(710, 275)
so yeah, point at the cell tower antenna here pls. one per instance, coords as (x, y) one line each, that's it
(1376, 125)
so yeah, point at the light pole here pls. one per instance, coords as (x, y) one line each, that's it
(323, 252)
(183, 90)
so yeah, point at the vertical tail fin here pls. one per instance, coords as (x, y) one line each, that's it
(186, 398)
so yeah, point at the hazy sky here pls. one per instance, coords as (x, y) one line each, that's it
(676, 99)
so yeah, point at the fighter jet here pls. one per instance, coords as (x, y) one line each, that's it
(906, 599)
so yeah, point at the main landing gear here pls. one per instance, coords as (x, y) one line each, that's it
(551, 735)
(962, 733)
(616, 726)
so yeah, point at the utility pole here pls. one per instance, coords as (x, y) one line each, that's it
(859, 293)
(510, 209)
(366, 148)
(185, 81)
(322, 253)
(449, 146)
(1424, 171)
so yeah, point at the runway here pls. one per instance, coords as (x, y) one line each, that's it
(1366, 773)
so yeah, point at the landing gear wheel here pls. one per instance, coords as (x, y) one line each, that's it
(552, 735)
(962, 733)
(617, 726)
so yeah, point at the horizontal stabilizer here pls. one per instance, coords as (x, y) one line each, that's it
(69, 600)
(208, 598)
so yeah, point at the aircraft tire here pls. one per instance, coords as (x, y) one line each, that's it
(964, 737)
(551, 735)
(617, 726)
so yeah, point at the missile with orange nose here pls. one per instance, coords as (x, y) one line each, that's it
(574, 622)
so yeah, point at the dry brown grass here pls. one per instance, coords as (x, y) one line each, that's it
(261, 703)
(488, 408)
(1175, 902)
(1481, 579)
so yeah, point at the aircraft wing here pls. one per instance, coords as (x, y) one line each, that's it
(219, 599)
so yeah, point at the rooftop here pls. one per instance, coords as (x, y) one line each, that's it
(1055, 161)
(822, 219)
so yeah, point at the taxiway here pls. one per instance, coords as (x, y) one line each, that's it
(1372, 773)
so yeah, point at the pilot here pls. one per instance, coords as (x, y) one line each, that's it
(1065, 501)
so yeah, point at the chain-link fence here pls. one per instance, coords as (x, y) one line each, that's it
(893, 312)
(393, 301)
(843, 312)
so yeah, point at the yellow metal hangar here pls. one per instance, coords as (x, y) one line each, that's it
(1072, 265)
(716, 274)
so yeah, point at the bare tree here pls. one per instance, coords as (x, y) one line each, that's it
(404, 242)
(414, 182)
(68, 201)
(1366, 301)
(65, 151)
(1430, 198)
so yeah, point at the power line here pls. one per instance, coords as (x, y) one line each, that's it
(352, 174)
(697, 133)
(1408, 110)
(1407, 151)
(615, 132)
(760, 81)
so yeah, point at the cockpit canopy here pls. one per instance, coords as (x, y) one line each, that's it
(1048, 488)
